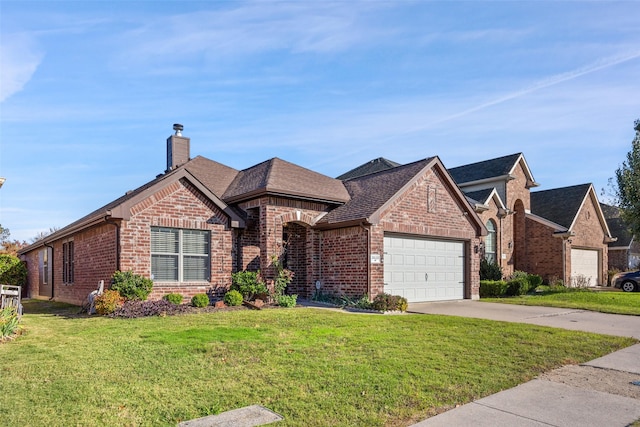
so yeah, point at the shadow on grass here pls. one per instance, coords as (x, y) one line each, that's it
(53, 308)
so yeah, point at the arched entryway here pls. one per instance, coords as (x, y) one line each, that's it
(294, 256)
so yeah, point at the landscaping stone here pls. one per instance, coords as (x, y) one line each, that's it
(254, 415)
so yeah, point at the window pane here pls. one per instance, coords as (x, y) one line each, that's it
(195, 268)
(195, 242)
(164, 267)
(164, 240)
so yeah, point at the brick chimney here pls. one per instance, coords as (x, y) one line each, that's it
(177, 148)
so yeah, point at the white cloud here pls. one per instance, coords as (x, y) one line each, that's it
(19, 59)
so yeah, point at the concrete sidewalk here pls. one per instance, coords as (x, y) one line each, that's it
(546, 401)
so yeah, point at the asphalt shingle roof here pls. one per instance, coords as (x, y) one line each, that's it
(559, 205)
(370, 192)
(281, 177)
(617, 227)
(486, 169)
(372, 166)
(479, 196)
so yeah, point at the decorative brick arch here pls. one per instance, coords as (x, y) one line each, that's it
(296, 216)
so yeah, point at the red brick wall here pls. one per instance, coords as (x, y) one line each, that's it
(618, 259)
(544, 256)
(94, 260)
(343, 254)
(178, 205)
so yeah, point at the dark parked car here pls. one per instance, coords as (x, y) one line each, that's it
(628, 281)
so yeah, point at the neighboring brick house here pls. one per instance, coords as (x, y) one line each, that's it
(557, 233)
(567, 236)
(624, 253)
(407, 230)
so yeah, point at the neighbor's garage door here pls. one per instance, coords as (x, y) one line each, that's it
(584, 263)
(423, 269)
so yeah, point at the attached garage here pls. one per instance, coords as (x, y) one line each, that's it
(585, 263)
(423, 269)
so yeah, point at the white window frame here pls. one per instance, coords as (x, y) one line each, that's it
(181, 255)
(492, 235)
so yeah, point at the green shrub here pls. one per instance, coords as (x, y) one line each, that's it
(492, 288)
(200, 300)
(386, 302)
(534, 281)
(287, 300)
(173, 298)
(131, 286)
(12, 270)
(517, 286)
(249, 284)
(9, 321)
(490, 270)
(108, 302)
(363, 303)
(233, 298)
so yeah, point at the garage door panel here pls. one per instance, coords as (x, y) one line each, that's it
(585, 265)
(432, 270)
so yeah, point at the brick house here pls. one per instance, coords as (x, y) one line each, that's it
(624, 253)
(407, 230)
(558, 233)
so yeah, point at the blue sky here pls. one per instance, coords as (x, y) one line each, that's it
(89, 90)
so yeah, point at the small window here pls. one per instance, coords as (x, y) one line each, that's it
(490, 242)
(179, 255)
(67, 262)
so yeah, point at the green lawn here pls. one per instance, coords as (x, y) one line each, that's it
(315, 367)
(603, 301)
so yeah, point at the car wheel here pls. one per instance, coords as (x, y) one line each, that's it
(628, 286)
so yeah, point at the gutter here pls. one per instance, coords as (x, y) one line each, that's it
(109, 220)
(53, 270)
(368, 260)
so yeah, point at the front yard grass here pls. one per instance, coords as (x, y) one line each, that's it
(602, 301)
(315, 367)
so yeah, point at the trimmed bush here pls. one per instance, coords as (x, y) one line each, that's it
(492, 288)
(386, 302)
(516, 287)
(534, 281)
(249, 284)
(132, 309)
(173, 298)
(131, 286)
(108, 302)
(287, 300)
(12, 271)
(200, 300)
(490, 270)
(233, 298)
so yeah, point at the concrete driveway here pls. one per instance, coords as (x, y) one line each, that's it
(566, 318)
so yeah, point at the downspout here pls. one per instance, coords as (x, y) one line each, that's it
(368, 260)
(117, 226)
(53, 270)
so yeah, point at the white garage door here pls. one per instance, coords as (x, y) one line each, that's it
(584, 267)
(423, 269)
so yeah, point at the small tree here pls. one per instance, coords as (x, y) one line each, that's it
(12, 270)
(490, 270)
(627, 191)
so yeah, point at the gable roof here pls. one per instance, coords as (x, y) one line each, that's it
(480, 199)
(562, 205)
(279, 177)
(372, 166)
(617, 226)
(492, 169)
(372, 193)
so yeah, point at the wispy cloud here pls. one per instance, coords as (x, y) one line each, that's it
(250, 29)
(19, 60)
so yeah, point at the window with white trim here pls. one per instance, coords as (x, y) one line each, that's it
(68, 264)
(490, 242)
(180, 255)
